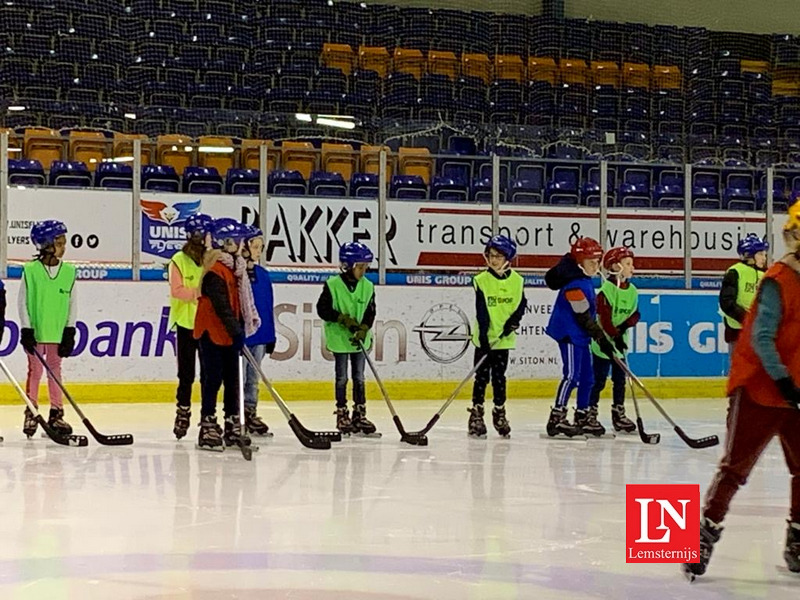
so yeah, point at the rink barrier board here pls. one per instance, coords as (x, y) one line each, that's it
(143, 392)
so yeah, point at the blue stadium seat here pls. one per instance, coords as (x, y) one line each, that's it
(202, 180)
(113, 175)
(526, 191)
(447, 189)
(69, 174)
(286, 183)
(323, 183)
(408, 187)
(25, 172)
(242, 182)
(364, 185)
(162, 178)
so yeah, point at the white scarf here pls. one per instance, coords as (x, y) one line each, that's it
(249, 311)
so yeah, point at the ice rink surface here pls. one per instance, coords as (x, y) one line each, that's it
(460, 518)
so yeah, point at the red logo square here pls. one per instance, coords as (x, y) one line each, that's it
(662, 523)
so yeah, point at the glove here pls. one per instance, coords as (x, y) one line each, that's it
(606, 347)
(27, 339)
(509, 328)
(619, 343)
(348, 321)
(238, 343)
(67, 344)
(361, 333)
(270, 347)
(483, 341)
(789, 391)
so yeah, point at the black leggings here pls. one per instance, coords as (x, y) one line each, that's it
(601, 367)
(220, 366)
(494, 368)
(187, 349)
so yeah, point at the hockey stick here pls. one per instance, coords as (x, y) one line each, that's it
(706, 442)
(122, 439)
(247, 451)
(64, 440)
(317, 440)
(647, 438)
(415, 439)
(452, 397)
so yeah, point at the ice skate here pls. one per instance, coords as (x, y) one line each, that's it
(182, 416)
(343, 423)
(210, 437)
(792, 552)
(233, 432)
(621, 423)
(586, 421)
(360, 424)
(500, 421)
(30, 424)
(476, 426)
(558, 427)
(57, 422)
(709, 535)
(254, 424)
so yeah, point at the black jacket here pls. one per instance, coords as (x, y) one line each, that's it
(325, 308)
(565, 271)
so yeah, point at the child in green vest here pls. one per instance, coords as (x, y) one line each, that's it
(186, 270)
(500, 306)
(347, 305)
(740, 284)
(617, 312)
(47, 312)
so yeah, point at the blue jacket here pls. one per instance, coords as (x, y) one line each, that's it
(262, 294)
(564, 326)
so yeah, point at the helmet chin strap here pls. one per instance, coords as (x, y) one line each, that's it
(502, 270)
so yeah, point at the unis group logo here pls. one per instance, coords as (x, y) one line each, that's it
(444, 333)
(662, 523)
(162, 226)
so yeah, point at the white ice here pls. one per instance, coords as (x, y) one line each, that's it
(461, 518)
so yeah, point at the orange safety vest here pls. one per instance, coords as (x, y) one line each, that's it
(207, 319)
(746, 368)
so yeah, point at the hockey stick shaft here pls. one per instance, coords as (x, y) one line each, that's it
(68, 440)
(647, 438)
(247, 451)
(123, 439)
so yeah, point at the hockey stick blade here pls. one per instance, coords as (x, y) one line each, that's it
(309, 441)
(706, 442)
(247, 451)
(647, 438)
(64, 440)
(120, 439)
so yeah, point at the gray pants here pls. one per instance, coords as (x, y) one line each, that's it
(251, 376)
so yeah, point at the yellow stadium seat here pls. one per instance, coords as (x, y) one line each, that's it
(476, 65)
(215, 151)
(605, 73)
(667, 77)
(542, 68)
(443, 63)
(339, 158)
(123, 146)
(636, 75)
(409, 60)
(89, 147)
(573, 71)
(338, 56)
(250, 151)
(415, 161)
(509, 66)
(299, 156)
(754, 66)
(175, 150)
(43, 144)
(371, 160)
(374, 59)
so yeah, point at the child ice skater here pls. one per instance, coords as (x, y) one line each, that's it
(47, 312)
(617, 312)
(226, 314)
(740, 284)
(573, 325)
(500, 306)
(347, 305)
(764, 399)
(186, 270)
(262, 342)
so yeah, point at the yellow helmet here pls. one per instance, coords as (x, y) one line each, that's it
(793, 222)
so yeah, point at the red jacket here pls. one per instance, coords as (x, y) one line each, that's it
(746, 368)
(207, 319)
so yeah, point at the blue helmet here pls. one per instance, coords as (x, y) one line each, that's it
(199, 223)
(227, 229)
(251, 231)
(351, 253)
(750, 245)
(44, 233)
(502, 244)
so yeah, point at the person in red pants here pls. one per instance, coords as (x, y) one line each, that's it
(764, 399)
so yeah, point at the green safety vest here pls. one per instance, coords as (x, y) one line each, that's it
(48, 299)
(337, 336)
(183, 312)
(749, 278)
(502, 299)
(624, 303)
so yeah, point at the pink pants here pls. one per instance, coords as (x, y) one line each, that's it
(35, 370)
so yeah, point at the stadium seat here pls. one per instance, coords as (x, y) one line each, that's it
(69, 174)
(327, 184)
(338, 56)
(364, 185)
(286, 183)
(476, 65)
(113, 175)
(42, 144)
(443, 63)
(573, 71)
(250, 151)
(509, 66)
(89, 147)
(216, 152)
(375, 59)
(123, 146)
(162, 178)
(408, 187)
(202, 180)
(242, 182)
(339, 158)
(25, 172)
(543, 69)
(415, 161)
(299, 156)
(370, 160)
(410, 61)
(175, 150)
(446, 189)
